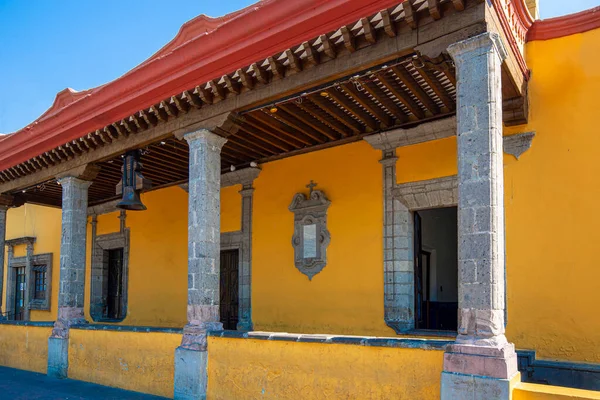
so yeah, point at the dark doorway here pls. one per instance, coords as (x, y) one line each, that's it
(114, 294)
(19, 306)
(436, 269)
(229, 289)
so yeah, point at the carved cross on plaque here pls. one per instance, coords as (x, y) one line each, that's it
(311, 186)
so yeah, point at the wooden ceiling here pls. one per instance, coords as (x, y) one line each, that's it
(399, 94)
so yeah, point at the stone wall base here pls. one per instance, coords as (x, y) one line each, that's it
(58, 357)
(191, 374)
(457, 386)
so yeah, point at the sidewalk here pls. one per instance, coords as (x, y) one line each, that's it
(24, 385)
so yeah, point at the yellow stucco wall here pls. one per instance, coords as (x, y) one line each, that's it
(24, 347)
(551, 200)
(531, 391)
(346, 297)
(427, 160)
(138, 361)
(251, 369)
(44, 223)
(157, 293)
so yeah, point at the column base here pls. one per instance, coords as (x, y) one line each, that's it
(457, 386)
(245, 326)
(191, 374)
(495, 362)
(58, 357)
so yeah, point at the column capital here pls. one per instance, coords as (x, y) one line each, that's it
(205, 136)
(86, 172)
(485, 41)
(227, 124)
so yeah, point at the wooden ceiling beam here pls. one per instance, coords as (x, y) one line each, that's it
(389, 26)
(459, 5)
(298, 112)
(312, 55)
(246, 79)
(354, 109)
(401, 95)
(368, 104)
(328, 107)
(277, 69)
(434, 9)
(193, 99)
(437, 88)
(368, 30)
(410, 82)
(328, 47)
(257, 141)
(217, 90)
(257, 130)
(410, 15)
(232, 85)
(324, 118)
(205, 95)
(295, 63)
(385, 101)
(283, 129)
(182, 105)
(289, 119)
(348, 38)
(241, 146)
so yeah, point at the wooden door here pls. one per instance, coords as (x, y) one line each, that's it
(229, 289)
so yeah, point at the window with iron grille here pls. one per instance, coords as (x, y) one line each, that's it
(39, 288)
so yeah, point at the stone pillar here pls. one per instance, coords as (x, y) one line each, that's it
(204, 237)
(3, 210)
(72, 272)
(398, 253)
(245, 276)
(481, 350)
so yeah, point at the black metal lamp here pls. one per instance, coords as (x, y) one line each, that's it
(132, 183)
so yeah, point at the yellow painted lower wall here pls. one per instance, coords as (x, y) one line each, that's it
(250, 369)
(531, 391)
(138, 361)
(24, 347)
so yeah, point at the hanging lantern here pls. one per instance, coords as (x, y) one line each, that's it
(132, 182)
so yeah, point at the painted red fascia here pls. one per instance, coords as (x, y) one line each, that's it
(262, 30)
(571, 24)
(525, 20)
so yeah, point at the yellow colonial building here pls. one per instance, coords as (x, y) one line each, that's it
(350, 199)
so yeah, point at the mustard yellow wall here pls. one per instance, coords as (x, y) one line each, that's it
(531, 391)
(346, 297)
(157, 288)
(551, 199)
(138, 361)
(427, 160)
(44, 223)
(24, 347)
(252, 369)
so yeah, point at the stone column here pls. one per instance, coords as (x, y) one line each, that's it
(245, 276)
(481, 351)
(3, 210)
(204, 237)
(72, 271)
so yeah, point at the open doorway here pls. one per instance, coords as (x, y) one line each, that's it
(436, 269)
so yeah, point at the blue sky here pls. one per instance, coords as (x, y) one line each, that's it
(46, 46)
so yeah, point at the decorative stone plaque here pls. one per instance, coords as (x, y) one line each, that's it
(311, 236)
